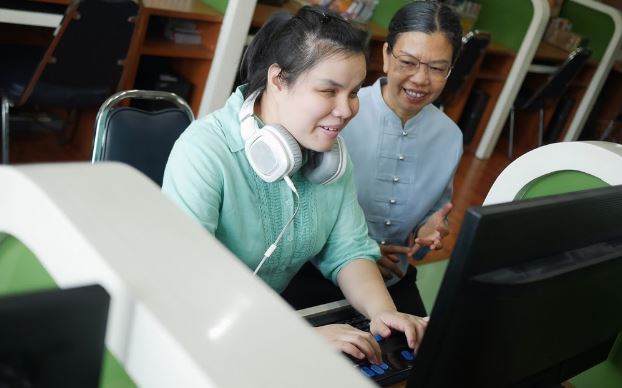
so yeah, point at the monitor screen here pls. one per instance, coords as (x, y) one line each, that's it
(53, 338)
(532, 294)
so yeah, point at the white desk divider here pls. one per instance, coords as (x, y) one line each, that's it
(524, 57)
(184, 311)
(602, 71)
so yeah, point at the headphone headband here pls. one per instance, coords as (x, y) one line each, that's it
(274, 153)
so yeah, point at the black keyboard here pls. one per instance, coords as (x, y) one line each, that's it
(397, 357)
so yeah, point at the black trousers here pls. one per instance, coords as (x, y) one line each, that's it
(310, 288)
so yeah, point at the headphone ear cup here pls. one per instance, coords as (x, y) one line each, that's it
(273, 153)
(326, 167)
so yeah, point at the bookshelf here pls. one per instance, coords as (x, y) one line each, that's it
(150, 46)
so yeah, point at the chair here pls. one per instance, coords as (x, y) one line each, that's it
(474, 46)
(143, 139)
(81, 67)
(551, 90)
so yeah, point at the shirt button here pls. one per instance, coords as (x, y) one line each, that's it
(387, 222)
(396, 179)
(401, 157)
(392, 201)
(404, 133)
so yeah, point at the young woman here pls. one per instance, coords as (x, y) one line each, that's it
(268, 175)
(405, 152)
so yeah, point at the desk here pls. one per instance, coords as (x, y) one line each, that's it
(30, 15)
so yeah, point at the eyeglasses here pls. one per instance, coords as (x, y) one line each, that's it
(409, 65)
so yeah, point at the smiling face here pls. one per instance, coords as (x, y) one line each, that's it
(406, 92)
(320, 102)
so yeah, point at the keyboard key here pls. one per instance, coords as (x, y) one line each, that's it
(407, 355)
(377, 369)
(378, 337)
(368, 372)
(384, 366)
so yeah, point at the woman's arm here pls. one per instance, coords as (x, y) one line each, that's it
(361, 283)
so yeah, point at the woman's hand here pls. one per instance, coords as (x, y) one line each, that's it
(412, 326)
(350, 340)
(389, 260)
(432, 233)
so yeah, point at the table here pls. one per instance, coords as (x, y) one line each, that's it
(48, 14)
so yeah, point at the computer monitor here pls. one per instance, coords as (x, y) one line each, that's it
(532, 294)
(53, 338)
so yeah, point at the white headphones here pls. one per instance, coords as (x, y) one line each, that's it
(274, 153)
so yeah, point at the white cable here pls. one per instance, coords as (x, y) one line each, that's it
(272, 247)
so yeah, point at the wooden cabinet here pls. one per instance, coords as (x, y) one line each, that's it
(149, 44)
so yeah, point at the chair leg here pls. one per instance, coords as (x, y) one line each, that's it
(69, 126)
(610, 127)
(511, 135)
(541, 127)
(5, 130)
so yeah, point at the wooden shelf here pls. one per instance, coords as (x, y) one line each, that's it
(487, 75)
(192, 62)
(161, 47)
(183, 9)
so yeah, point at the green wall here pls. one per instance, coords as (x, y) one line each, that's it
(507, 21)
(220, 5)
(594, 25)
(385, 10)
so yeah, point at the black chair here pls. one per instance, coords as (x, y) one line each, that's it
(474, 46)
(141, 138)
(552, 90)
(81, 67)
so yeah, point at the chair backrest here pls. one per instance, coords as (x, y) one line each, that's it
(142, 139)
(87, 52)
(474, 46)
(558, 82)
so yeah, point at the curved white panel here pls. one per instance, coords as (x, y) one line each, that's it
(524, 56)
(185, 312)
(597, 158)
(602, 71)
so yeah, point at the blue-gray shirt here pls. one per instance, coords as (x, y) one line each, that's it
(403, 174)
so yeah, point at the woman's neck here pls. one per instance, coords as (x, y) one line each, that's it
(265, 108)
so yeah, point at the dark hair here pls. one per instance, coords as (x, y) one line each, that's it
(296, 44)
(427, 17)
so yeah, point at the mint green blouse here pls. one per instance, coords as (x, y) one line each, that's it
(209, 177)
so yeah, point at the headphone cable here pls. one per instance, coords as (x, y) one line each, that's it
(272, 247)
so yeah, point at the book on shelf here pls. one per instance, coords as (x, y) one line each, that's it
(182, 31)
(359, 11)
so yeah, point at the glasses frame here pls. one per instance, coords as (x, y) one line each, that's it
(418, 67)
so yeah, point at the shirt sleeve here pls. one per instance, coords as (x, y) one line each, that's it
(191, 179)
(445, 197)
(349, 238)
